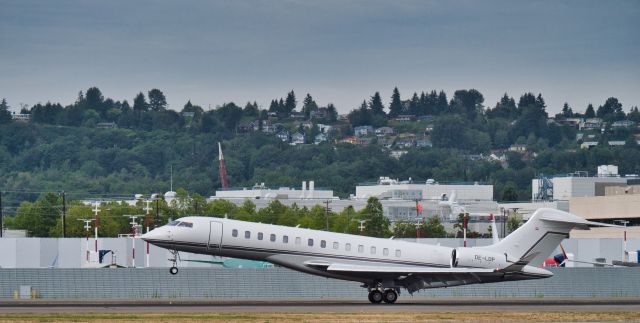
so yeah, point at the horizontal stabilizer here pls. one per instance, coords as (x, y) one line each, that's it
(579, 222)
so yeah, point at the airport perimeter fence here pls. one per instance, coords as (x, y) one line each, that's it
(267, 284)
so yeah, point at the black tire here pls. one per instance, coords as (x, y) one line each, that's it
(173, 270)
(375, 296)
(390, 296)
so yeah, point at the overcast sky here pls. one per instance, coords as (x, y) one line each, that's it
(339, 51)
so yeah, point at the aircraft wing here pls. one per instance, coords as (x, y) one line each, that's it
(413, 277)
(404, 270)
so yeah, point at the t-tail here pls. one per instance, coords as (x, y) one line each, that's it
(535, 240)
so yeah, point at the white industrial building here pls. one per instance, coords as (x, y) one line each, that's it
(579, 184)
(260, 191)
(387, 188)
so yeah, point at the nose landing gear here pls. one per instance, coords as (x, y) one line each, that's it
(174, 260)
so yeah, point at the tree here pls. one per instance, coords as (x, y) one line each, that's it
(433, 228)
(566, 111)
(157, 100)
(94, 100)
(634, 115)
(590, 112)
(509, 194)
(505, 108)
(414, 105)
(332, 113)
(140, 103)
(447, 132)
(377, 224)
(309, 105)
(5, 115)
(395, 107)
(251, 109)
(375, 104)
(230, 114)
(189, 107)
(514, 222)
(290, 103)
(441, 105)
(361, 117)
(611, 110)
(40, 217)
(468, 102)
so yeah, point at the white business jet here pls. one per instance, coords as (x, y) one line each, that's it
(384, 266)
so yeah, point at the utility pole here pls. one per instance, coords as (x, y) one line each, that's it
(157, 210)
(134, 226)
(418, 225)
(504, 223)
(64, 216)
(361, 227)
(464, 228)
(1, 217)
(346, 227)
(326, 212)
(87, 228)
(97, 223)
(147, 220)
(418, 218)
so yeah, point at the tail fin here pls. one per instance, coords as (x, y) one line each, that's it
(541, 235)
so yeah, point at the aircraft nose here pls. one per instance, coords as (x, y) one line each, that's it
(154, 235)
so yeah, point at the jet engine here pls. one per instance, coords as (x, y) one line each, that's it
(478, 258)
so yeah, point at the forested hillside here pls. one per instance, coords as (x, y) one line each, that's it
(102, 147)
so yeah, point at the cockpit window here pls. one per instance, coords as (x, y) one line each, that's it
(173, 223)
(186, 224)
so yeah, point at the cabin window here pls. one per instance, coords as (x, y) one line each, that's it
(298, 240)
(385, 251)
(247, 234)
(285, 239)
(323, 244)
(373, 250)
(398, 253)
(336, 245)
(360, 248)
(272, 237)
(234, 233)
(310, 242)
(260, 235)
(347, 247)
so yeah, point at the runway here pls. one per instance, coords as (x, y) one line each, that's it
(323, 306)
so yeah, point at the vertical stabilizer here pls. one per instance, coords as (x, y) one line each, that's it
(540, 236)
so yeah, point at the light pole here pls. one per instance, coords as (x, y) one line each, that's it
(626, 253)
(134, 226)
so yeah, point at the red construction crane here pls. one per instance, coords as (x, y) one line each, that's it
(223, 171)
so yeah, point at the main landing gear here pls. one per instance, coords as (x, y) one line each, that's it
(174, 260)
(377, 296)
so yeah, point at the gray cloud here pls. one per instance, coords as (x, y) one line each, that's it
(339, 51)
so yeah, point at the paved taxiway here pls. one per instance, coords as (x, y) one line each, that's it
(322, 306)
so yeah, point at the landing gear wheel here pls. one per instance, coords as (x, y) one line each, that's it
(174, 260)
(375, 296)
(390, 296)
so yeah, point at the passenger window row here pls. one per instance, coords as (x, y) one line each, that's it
(323, 243)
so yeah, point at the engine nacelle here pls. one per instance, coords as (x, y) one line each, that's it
(478, 258)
